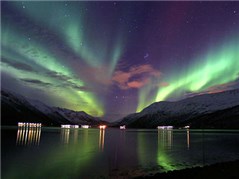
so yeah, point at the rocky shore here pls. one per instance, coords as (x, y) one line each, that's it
(225, 170)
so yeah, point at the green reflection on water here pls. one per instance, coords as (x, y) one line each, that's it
(142, 148)
(146, 148)
(158, 154)
(165, 143)
(68, 158)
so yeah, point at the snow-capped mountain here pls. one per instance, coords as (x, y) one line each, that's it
(183, 111)
(16, 108)
(75, 117)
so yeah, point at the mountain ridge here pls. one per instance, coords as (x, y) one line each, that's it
(198, 111)
(182, 112)
(17, 108)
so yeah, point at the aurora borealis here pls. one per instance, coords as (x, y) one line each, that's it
(216, 69)
(110, 59)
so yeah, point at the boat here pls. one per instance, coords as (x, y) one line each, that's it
(122, 127)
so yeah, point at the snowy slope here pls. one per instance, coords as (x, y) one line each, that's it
(41, 106)
(16, 107)
(14, 99)
(198, 104)
(76, 117)
(158, 113)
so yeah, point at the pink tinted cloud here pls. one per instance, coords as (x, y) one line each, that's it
(137, 84)
(222, 87)
(217, 88)
(121, 77)
(135, 77)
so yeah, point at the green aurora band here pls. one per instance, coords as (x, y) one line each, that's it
(72, 28)
(85, 41)
(215, 68)
(49, 27)
(44, 61)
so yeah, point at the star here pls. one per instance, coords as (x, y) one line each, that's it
(146, 56)
(99, 54)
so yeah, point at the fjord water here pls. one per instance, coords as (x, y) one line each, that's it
(94, 153)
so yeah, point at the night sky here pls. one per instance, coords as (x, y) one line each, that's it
(110, 59)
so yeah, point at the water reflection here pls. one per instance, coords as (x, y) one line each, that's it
(28, 135)
(71, 153)
(101, 139)
(165, 143)
(165, 138)
(75, 134)
(65, 135)
(75, 153)
(69, 135)
(188, 139)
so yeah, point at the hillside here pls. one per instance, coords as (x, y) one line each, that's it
(208, 110)
(16, 108)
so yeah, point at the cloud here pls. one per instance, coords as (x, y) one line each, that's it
(136, 77)
(18, 65)
(137, 84)
(217, 88)
(223, 87)
(34, 81)
(11, 83)
(58, 76)
(78, 88)
(67, 81)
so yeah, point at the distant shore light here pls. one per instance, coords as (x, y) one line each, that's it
(102, 126)
(26, 124)
(165, 127)
(69, 126)
(85, 126)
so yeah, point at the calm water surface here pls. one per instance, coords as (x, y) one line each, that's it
(94, 153)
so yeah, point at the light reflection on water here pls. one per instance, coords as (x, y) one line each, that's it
(65, 135)
(74, 133)
(165, 138)
(28, 136)
(165, 145)
(188, 139)
(102, 139)
(75, 153)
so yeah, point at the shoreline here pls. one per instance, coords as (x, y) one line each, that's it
(222, 170)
